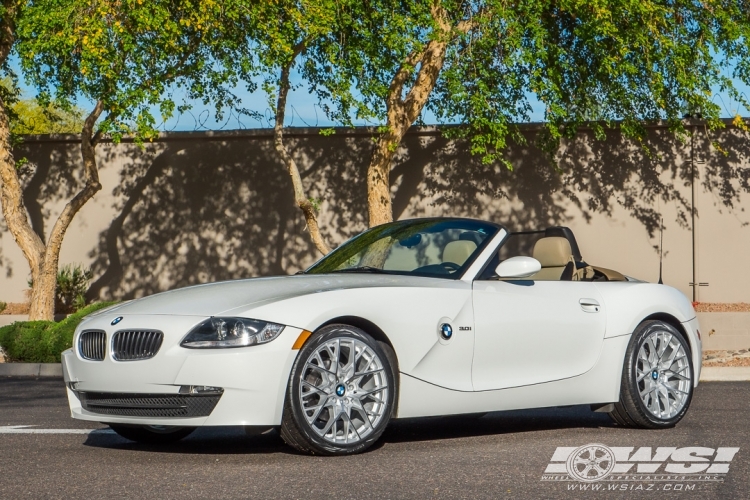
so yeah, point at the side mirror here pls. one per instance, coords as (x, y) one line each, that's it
(518, 267)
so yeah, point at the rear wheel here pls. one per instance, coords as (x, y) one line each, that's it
(152, 434)
(341, 393)
(657, 378)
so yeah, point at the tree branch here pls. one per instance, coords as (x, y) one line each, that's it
(278, 139)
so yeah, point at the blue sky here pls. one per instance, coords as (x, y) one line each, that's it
(303, 110)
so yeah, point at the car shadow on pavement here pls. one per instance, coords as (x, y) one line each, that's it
(506, 422)
(204, 441)
(233, 440)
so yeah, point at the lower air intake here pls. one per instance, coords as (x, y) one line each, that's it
(149, 405)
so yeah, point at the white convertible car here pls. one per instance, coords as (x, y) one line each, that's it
(409, 319)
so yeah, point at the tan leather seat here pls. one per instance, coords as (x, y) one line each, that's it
(458, 251)
(554, 254)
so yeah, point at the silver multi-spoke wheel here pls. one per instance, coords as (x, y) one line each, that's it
(663, 374)
(657, 377)
(343, 390)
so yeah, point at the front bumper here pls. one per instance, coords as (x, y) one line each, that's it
(692, 328)
(254, 379)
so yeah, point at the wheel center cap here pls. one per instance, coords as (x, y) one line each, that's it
(655, 375)
(340, 390)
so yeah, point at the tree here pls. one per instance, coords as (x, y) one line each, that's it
(126, 57)
(33, 119)
(27, 117)
(474, 64)
(280, 35)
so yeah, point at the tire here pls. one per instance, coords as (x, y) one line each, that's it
(152, 434)
(331, 408)
(657, 378)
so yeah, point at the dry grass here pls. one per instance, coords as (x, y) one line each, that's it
(730, 362)
(711, 307)
(736, 357)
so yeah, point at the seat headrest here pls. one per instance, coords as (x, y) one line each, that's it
(553, 251)
(458, 251)
(471, 236)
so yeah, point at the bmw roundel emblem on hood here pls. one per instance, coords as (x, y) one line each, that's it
(116, 320)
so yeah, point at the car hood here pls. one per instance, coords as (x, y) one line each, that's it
(218, 298)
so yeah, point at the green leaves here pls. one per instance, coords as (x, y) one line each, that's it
(588, 62)
(129, 54)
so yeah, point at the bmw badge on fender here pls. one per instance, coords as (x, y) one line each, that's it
(413, 318)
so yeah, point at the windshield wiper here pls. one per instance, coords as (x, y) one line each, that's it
(361, 269)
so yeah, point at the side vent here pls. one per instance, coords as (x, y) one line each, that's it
(92, 344)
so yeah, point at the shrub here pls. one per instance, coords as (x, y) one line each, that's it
(43, 341)
(3, 306)
(72, 284)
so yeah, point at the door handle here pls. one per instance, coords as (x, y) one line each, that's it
(589, 305)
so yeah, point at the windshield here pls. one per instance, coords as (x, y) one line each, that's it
(427, 247)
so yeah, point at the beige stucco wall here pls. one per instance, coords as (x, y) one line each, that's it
(197, 207)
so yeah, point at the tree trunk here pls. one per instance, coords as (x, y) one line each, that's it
(14, 211)
(401, 114)
(278, 140)
(44, 282)
(11, 191)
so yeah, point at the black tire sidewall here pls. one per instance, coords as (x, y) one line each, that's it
(641, 333)
(316, 442)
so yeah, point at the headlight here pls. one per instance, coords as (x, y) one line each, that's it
(231, 332)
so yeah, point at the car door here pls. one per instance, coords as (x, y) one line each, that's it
(531, 332)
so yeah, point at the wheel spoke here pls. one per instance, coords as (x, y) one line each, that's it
(369, 372)
(354, 426)
(652, 351)
(642, 376)
(328, 426)
(318, 409)
(665, 345)
(313, 387)
(677, 375)
(319, 368)
(347, 423)
(349, 365)
(670, 361)
(337, 356)
(369, 392)
(647, 390)
(363, 413)
(675, 390)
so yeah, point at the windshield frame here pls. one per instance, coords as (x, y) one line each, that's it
(455, 276)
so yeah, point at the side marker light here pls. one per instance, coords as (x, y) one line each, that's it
(301, 340)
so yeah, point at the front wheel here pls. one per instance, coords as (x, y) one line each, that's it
(341, 393)
(657, 378)
(152, 434)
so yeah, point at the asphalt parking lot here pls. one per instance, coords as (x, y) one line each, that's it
(500, 455)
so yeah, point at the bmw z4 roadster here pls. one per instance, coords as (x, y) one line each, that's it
(409, 319)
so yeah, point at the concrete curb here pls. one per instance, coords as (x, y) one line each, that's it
(708, 374)
(31, 369)
(725, 373)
